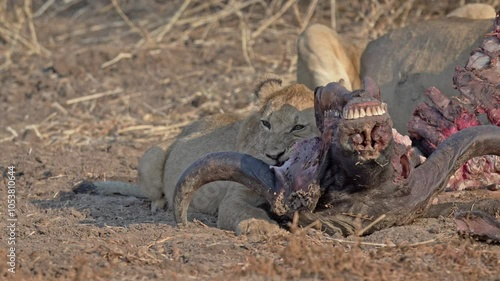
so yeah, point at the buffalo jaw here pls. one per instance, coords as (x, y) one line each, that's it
(361, 139)
(389, 205)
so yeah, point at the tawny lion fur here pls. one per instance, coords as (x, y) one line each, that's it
(404, 62)
(285, 116)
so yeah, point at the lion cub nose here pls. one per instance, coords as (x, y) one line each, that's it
(275, 155)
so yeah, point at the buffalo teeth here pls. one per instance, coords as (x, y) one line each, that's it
(350, 114)
(356, 113)
(369, 111)
(362, 113)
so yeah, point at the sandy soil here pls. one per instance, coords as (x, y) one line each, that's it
(85, 98)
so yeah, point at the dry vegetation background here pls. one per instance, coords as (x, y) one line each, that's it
(186, 58)
(87, 86)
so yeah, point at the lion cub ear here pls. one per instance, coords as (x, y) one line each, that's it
(267, 85)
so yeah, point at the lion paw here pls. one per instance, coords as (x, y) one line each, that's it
(157, 204)
(256, 229)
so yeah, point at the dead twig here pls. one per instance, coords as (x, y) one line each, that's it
(200, 7)
(272, 19)
(132, 26)
(333, 14)
(160, 33)
(309, 14)
(59, 107)
(43, 8)
(161, 241)
(94, 96)
(12, 131)
(116, 59)
(360, 233)
(29, 16)
(245, 34)
(35, 129)
(54, 114)
(391, 245)
(297, 14)
(135, 128)
(229, 10)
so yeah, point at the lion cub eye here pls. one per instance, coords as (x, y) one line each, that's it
(266, 124)
(298, 128)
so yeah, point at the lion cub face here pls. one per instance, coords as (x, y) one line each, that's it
(286, 116)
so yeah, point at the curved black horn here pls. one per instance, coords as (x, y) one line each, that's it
(223, 166)
(325, 97)
(431, 177)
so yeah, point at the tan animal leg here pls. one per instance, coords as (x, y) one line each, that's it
(239, 212)
(150, 179)
(474, 11)
(324, 56)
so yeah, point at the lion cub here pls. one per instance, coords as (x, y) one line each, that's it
(285, 116)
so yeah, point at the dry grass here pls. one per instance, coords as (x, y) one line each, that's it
(17, 29)
(313, 256)
(208, 22)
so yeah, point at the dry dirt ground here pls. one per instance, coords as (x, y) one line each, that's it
(88, 86)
